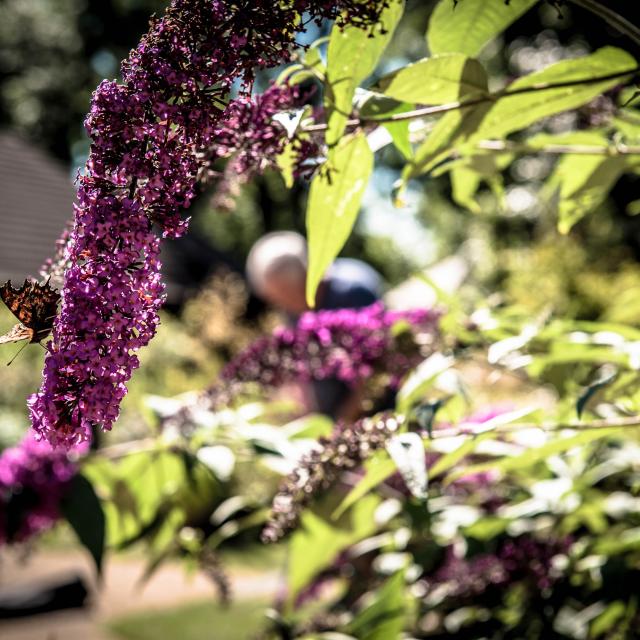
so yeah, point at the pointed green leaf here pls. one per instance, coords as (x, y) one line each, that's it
(468, 25)
(584, 183)
(452, 458)
(352, 56)
(83, 510)
(334, 201)
(377, 469)
(437, 80)
(384, 617)
(316, 543)
(533, 456)
(565, 85)
(399, 132)
(465, 182)
(422, 378)
(451, 130)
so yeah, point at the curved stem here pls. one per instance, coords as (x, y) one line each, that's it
(558, 149)
(490, 97)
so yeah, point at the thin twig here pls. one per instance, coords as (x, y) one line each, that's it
(615, 20)
(576, 149)
(463, 104)
(616, 423)
(124, 449)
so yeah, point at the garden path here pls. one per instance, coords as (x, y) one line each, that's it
(120, 594)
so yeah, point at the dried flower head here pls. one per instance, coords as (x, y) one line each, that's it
(346, 449)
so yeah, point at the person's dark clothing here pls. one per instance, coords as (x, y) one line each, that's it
(349, 284)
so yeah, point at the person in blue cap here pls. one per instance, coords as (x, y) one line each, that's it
(277, 270)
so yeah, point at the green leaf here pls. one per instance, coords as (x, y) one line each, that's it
(377, 469)
(606, 375)
(584, 181)
(83, 510)
(286, 163)
(384, 617)
(516, 110)
(450, 131)
(316, 543)
(469, 25)
(334, 201)
(533, 456)
(628, 540)
(438, 80)
(465, 183)
(453, 457)
(352, 56)
(607, 619)
(143, 488)
(421, 379)
(399, 132)
(380, 106)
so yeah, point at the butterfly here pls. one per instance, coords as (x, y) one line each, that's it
(35, 305)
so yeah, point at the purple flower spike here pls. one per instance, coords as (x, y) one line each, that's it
(150, 140)
(34, 478)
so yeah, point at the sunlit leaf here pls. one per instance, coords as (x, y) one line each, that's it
(352, 56)
(535, 455)
(384, 617)
(468, 25)
(464, 185)
(614, 612)
(452, 458)
(421, 379)
(516, 110)
(326, 540)
(438, 80)
(376, 470)
(583, 182)
(334, 201)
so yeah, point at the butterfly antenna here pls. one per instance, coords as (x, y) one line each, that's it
(17, 354)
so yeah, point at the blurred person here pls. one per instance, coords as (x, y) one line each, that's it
(277, 272)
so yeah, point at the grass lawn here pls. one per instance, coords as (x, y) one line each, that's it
(200, 621)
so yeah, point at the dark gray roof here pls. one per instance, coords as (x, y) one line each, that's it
(36, 200)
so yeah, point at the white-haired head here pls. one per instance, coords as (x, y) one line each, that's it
(277, 270)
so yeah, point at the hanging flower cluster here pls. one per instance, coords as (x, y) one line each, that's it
(349, 345)
(346, 449)
(34, 478)
(253, 134)
(148, 137)
(523, 558)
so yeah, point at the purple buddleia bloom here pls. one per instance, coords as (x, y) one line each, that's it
(349, 345)
(34, 479)
(149, 136)
(252, 134)
(520, 559)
